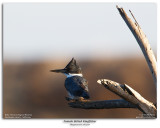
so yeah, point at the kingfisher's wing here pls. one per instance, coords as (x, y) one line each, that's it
(77, 86)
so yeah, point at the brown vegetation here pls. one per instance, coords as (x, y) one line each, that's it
(29, 88)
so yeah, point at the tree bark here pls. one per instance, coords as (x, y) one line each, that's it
(142, 41)
(131, 98)
(129, 94)
(104, 104)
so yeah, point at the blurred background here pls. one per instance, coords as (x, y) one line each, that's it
(41, 37)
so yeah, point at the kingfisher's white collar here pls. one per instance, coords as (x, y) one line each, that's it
(70, 75)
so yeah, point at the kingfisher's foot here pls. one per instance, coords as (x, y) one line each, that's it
(80, 99)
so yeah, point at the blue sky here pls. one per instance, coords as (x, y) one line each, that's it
(47, 31)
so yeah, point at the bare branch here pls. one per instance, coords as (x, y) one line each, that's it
(105, 104)
(129, 94)
(142, 41)
(131, 98)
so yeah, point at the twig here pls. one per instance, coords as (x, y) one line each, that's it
(134, 18)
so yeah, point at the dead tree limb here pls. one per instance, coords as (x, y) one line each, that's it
(132, 99)
(142, 41)
(129, 94)
(104, 104)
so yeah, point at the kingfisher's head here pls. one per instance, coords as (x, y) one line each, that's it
(71, 68)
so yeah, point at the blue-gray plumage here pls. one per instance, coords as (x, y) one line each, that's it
(75, 84)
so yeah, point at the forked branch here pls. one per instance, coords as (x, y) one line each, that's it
(129, 94)
(131, 98)
(142, 41)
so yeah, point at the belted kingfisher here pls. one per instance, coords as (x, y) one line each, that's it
(75, 84)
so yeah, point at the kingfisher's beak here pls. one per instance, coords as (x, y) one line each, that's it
(59, 70)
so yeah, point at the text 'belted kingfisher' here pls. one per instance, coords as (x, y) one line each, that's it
(75, 84)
